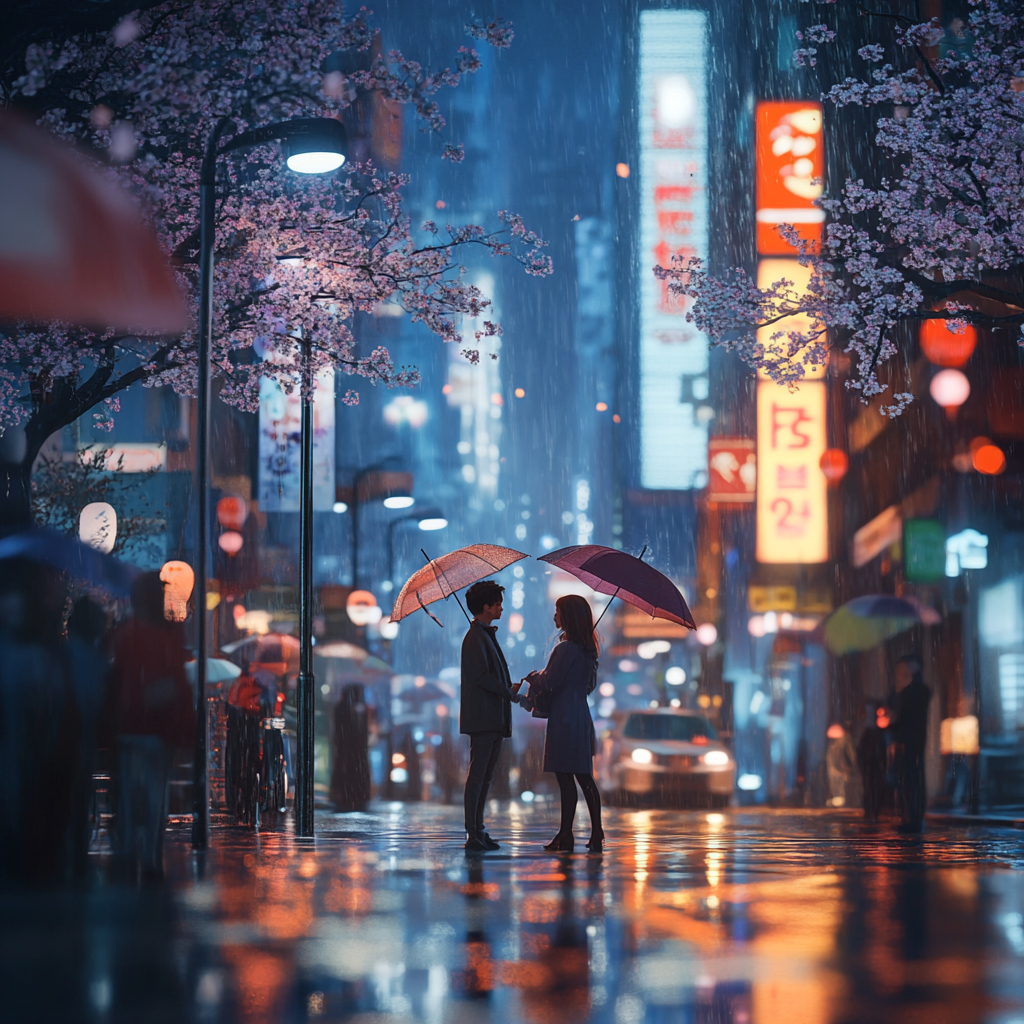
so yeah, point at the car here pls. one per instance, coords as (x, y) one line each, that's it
(667, 757)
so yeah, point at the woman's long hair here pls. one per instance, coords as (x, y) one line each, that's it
(578, 623)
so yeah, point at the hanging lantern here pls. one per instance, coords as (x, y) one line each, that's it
(362, 608)
(950, 389)
(944, 348)
(988, 459)
(97, 526)
(178, 579)
(232, 512)
(834, 463)
(230, 542)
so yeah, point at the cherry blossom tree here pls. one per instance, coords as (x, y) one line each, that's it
(942, 238)
(296, 257)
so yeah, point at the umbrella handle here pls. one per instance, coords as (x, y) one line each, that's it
(428, 611)
(430, 562)
(608, 605)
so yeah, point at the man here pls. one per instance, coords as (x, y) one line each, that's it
(909, 731)
(486, 708)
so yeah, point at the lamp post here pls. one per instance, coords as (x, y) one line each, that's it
(313, 145)
(427, 519)
(399, 497)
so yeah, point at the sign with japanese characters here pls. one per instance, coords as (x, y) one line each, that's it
(792, 493)
(280, 445)
(732, 469)
(673, 145)
(790, 163)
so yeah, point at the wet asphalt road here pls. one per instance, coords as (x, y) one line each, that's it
(747, 917)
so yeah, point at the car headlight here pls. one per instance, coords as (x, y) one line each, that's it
(715, 758)
(642, 755)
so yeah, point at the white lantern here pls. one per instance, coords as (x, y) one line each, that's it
(707, 633)
(97, 526)
(950, 389)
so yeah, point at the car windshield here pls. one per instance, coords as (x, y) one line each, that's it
(668, 727)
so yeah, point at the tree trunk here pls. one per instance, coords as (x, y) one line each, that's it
(15, 496)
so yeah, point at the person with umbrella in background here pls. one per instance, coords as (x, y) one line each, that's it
(560, 693)
(909, 730)
(486, 706)
(151, 714)
(350, 771)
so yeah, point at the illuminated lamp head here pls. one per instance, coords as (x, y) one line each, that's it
(362, 608)
(834, 463)
(315, 145)
(943, 347)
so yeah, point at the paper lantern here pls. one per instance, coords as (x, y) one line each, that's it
(834, 463)
(989, 459)
(944, 348)
(178, 579)
(362, 608)
(950, 388)
(232, 512)
(97, 526)
(230, 542)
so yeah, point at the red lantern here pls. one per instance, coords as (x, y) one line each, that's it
(944, 348)
(834, 463)
(232, 512)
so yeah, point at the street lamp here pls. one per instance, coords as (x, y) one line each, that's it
(398, 496)
(426, 519)
(313, 145)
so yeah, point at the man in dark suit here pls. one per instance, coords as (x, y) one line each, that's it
(486, 706)
(910, 731)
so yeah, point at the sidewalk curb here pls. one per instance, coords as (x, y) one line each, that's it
(942, 818)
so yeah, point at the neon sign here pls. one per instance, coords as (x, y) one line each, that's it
(674, 412)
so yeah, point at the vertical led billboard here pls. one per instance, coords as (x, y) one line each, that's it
(672, 92)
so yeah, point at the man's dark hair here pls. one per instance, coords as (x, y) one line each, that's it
(483, 593)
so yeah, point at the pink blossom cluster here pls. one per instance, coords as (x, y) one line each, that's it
(296, 257)
(943, 238)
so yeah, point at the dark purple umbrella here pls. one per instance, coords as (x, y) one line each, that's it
(70, 555)
(619, 574)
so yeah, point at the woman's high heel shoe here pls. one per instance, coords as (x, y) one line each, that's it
(596, 843)
(561, 844)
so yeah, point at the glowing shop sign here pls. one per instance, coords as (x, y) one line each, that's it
(792, 492)
(790, 163)
(674, 412)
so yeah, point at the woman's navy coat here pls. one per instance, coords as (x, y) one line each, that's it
(569, 678)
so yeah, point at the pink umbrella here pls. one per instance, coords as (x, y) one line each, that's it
(442, 577)
(609, 571)
(72, 246)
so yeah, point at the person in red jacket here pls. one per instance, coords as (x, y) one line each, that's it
(151, 715)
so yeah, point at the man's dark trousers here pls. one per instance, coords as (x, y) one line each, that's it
(484, 748)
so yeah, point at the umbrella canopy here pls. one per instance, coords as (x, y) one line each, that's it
(270, 649)
(868, 621)
(218, 670)
(70, 555)
(443, 576)
(72, 246)
(426, 692)
(609, 571)
(352, 658)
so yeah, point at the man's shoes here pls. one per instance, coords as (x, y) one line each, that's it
(490, 843)
(475, 843)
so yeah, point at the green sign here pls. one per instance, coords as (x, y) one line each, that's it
(924, 551)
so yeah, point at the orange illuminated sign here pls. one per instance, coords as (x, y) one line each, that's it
(792, 492)
(790, 164)
(732, 469)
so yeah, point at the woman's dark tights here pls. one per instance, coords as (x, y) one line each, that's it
(567, 788)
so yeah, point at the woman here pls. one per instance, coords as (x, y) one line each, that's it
(561, 691)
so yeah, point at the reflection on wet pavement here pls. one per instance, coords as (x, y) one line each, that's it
(739, 917)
